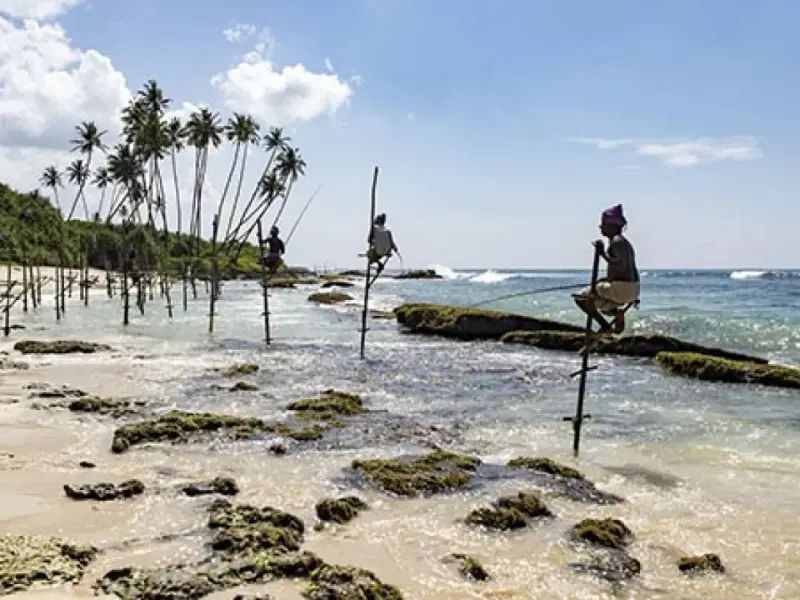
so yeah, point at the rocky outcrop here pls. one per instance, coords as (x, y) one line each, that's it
(329, 406)
(105, 492)
(332, 582)
(58, 347)
(509, 512)
(242, 529)
(419, 274)
(709, 368)
(340, 510)
(329, 298)
(224, 486)
(608, 533)
(470, 323)
(437, 472)
(705, 563)
(31, 561)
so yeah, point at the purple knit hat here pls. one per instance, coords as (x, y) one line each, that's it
(614, 216)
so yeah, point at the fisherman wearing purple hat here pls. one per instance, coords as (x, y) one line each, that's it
(619, 290)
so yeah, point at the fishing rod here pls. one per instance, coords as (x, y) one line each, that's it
(302, 213)
(558, 288)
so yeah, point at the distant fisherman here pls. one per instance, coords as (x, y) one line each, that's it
(275, 250)
(619, 290)
(381, 244)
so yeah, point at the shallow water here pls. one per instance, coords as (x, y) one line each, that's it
(704, 467)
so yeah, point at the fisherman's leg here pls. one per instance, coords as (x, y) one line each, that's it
(587, 304)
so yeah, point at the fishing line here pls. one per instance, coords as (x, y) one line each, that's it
(559, 288)
(302, 213)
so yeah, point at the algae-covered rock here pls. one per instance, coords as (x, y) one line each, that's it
(171, 583)
(225, 486)
(105, 492)
(545, 465)
(243, 529)
(709, 368)
(58, 347)
(528, 503)
(632, 345)
(329, 405)
(307, 434)
(470, 323)
(705, 563)
(439, 471)
(509, 512)
(240, 369)
(419, 274)
(340, 510)
(335, 283)
(243, 386)
(180, 427)
(27, 561)
(333, 582)
(469, 567)
(261, 567)
(610, 533)
(612, 565)
(113, 407)
(329, 297)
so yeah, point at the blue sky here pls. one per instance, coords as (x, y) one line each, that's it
(502, 128)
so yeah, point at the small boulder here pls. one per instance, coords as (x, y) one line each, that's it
(613, 566)
(705, 563)
(609, 533)
(469, 567)
(105, 492)
(278, 449)
(243, 386)
(336, 283)
(224, 486)
(240, 369)
(509, 512)
(85, 464)
(545, 465)
(329, 582)
(329, 298)
(340, 510)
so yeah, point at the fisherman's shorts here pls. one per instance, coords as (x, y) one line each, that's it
(273, 261)
(610, 296)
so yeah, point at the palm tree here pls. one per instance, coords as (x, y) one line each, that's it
(203, 130)
(78, 174)
(89, 139)
(102, 179)
(153, 98)
(126, 172)
(290, 167)
(175, 142)
(51, 178)
(244, 131)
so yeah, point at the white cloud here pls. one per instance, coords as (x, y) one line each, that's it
(239, 32)
(36, 9)
(255, 86)
(21, 168)
(329, 65)
(684, 152)
(47, 86)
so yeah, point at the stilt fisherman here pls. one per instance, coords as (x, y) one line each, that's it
(275, 250)
(381, 244)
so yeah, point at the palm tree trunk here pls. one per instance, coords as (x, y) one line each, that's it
(238, 193)
(177, 190)
(254, 195)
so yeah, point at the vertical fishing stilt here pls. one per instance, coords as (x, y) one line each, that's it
(38, 286)
(24, 287)
(7, 310)
(577, 420)
(264, 284)
(368, 279)
(212, 299)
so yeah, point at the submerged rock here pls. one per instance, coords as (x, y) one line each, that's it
(545, 465)
(179, 427)
(243, 386)
(705, 563)
(337, 283)
(709, 368)
(332, 582)
(27, 561)
(85, 464)
(438, 471)
(340, 510)
(330, 405)
(419, 274)
(563, 480)
(47, 391)
(105, 492)
(609, 533)
(509, 512)
(469, 567)
(240, 369)
(612, 565)
(224, 486)
(58, 347)
(329, 297)
(633, 345)
(470, 323)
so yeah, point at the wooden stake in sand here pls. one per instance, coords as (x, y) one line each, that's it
(264, 283)
(212, 299)
(368, 279)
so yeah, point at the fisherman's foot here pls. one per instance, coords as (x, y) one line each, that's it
(619, 324)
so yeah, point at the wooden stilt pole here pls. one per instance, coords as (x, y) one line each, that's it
(56, 286)
(212, 299)
(577, 421)
(368, 277)
(63, 291)
(38, 286)
(85, 277)
(264, 284)
(7, 310)
(185, 291)
(24, 287)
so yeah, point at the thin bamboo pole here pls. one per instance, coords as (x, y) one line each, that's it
(368, 277)
(264, 284)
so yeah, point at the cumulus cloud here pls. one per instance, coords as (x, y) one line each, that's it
(684, 152)
(239, 32)
(273, 95)
(47, 86)
(36, 9)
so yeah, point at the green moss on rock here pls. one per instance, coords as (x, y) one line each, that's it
(171, 583)
(58, 347)
(329, 297)
(180, 427)
(330, 405)
(705, 563)
(470, 323)
(609, 533)
(225, 486)
(113, 407)
(709, 368)
(241, 369)
(30, 561)
(105, 492)
(470, 567)
(509, 512)
(243, 529)
(612, 565)
(439, 471)
(333, 582)
(545, 465)
(340, 510)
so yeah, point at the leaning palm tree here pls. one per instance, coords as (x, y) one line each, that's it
(78, 174)
(290, 166)
(244, 131)
(102, 179)
(89, 139)
(175, 142)
(203, 131)
(51, 178)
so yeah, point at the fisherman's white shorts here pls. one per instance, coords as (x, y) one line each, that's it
(611, 295)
